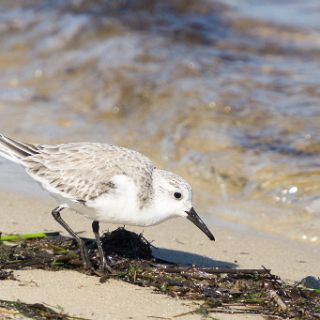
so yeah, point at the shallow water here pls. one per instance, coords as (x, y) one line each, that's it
(225, 93)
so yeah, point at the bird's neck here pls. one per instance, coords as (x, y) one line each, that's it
(156, 212)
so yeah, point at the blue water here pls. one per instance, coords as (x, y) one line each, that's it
(294, 13)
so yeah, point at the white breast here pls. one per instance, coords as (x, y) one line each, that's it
(120, 205)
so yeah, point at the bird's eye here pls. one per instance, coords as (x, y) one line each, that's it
(177, 195)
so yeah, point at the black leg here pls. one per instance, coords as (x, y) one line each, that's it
(83, 249)
(103, 262)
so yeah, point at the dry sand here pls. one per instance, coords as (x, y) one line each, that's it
(177, 240)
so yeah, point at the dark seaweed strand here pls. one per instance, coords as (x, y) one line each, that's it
(36, 311)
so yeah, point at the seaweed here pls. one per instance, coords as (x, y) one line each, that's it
(36, 311)
(249, 291)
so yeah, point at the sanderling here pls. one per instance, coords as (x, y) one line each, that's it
(104, 183)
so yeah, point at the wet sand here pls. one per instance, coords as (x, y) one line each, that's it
(177, 240)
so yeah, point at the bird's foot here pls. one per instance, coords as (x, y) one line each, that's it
(104, 267)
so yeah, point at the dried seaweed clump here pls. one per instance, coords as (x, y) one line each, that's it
(126, 244)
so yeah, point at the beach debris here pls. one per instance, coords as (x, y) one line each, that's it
(127, 244)
(6, 274)
(243, 291)
(311, 282)
(37, 311)
(14, 237)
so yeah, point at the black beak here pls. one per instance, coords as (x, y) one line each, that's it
(194, 218)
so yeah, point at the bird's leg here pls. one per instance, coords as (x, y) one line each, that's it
(83, 249)
(103, 261)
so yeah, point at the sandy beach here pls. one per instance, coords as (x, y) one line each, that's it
(176, 240)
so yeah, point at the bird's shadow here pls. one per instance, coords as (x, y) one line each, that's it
(187, 258)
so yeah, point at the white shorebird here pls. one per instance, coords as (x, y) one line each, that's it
(104, 183)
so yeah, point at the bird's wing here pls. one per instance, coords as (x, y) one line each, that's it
(83, 171)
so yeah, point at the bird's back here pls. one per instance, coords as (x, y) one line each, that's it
(81, 171)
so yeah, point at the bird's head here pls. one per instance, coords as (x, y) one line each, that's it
(173, 195)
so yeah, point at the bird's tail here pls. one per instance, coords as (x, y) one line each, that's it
(16, 151)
